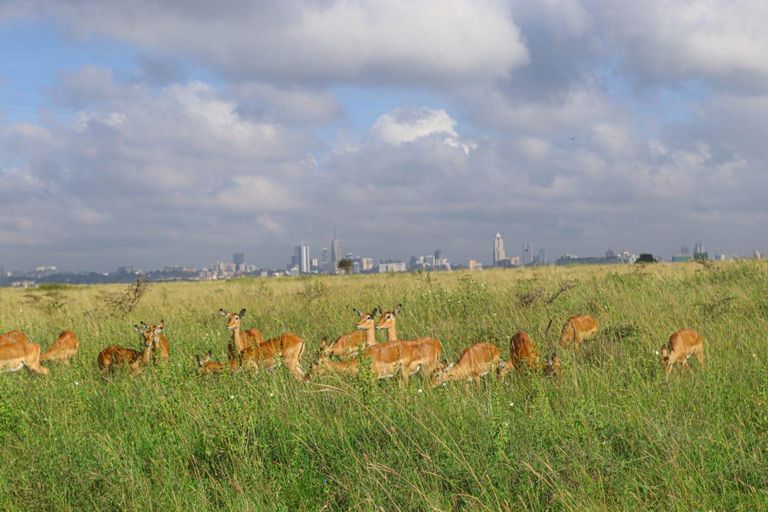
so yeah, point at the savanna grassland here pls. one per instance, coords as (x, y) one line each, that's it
(611, 434)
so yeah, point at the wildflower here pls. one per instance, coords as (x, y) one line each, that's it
(77, 383)
(419, 390)
(271, 394)
(231, 397)
(656, 352)
(511, 404)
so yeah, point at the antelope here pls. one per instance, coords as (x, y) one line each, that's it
(63, 349)
(387, 359)
(476, 361)
(114, 356)
(289, 347)
(522, 352)
(13, 337)
(161, 345)
(205, 365)
(578, 329)
(240, 340)
(428, 349)
(19, 354)
(682, 345)
(551, 366)
(348, 345)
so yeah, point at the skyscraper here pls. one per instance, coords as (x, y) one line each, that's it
(238, 259)
(305, 261)
(527, 253)
(335, 252)
(498, 250)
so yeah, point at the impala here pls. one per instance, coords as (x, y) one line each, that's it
(387, 359)
(682, 345)
(522, 352)
(428, 349)
(348, 345)
(160, 349)
(551, 366)
(578, 329)
(13, 337)
(114, 356)
(476, 361)
(16, 355)
(63, 349)
(240, 340)
(205, 365)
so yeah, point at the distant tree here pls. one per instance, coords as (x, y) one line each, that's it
(646, 258)
(345, 264)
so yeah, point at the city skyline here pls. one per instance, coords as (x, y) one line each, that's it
(154, 136)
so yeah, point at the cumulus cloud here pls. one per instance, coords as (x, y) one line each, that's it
(407, 124)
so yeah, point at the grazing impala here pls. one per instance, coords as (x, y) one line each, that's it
(387, 359)
(63, 349)
(13, 337)
(240, 340)
(16, 355)
(114, 356)
(205, 365)
(160, 349)
(428, 349)
(578, 329)
(348, 345)
(522, 352)
(682, 345)
(475, 361)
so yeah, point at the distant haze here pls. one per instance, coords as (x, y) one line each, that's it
(180, 132)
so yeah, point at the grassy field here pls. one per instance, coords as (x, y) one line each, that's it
(611, 434)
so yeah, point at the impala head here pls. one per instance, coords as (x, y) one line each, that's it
(202, 360)
(439, 373)
(151, 328)
(234, 318)
(387, 319)
(666, 358)
(552, 365)
(367, 320)
(150, 336)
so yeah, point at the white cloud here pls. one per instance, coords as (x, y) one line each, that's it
(407, 124)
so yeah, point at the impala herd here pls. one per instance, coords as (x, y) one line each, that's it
(346, 355)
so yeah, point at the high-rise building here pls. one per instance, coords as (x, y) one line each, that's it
(335, 252)
(305, 262)
(542, 257)
(238, 259)
(498, 250)
(527, 253)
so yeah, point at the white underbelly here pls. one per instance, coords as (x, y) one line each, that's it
(13, 365)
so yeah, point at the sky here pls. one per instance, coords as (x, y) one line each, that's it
(153, 133)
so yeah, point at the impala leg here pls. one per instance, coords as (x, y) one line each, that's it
(700, 357)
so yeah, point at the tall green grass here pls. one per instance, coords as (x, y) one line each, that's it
(611, 434)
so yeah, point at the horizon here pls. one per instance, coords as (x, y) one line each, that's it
(140, 138)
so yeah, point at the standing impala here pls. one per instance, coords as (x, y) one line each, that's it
(20, 353)
(63, 349)
(387, 359)
(348, 345)
(240, 340)
(682, 345)
(160, 349)
(268, 353)
(114, 356)
(578, 329)
(522, 352)
(428, 349)
(475, 361)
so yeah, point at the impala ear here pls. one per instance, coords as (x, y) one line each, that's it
(199, 361)
(323, 344)
(144, 325)
(381, 310)
(663, 351)
(358, 312)
(158, 329)
(397, 309)
(224, 312)
(161, 324)
(242, 312)
(138, 329)
(373, 313)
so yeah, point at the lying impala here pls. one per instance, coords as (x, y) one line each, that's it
(20, 353)
(682, 345)
(578, 329)
(476, 361)
(240, 340)
(13, 337)
(427, 349)
(288, 347)
(205, 365)
(522, 352)
(348, 345)
(115, 356)
(387, 359)
(551, 367)
(160, 349)
(63, 349)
